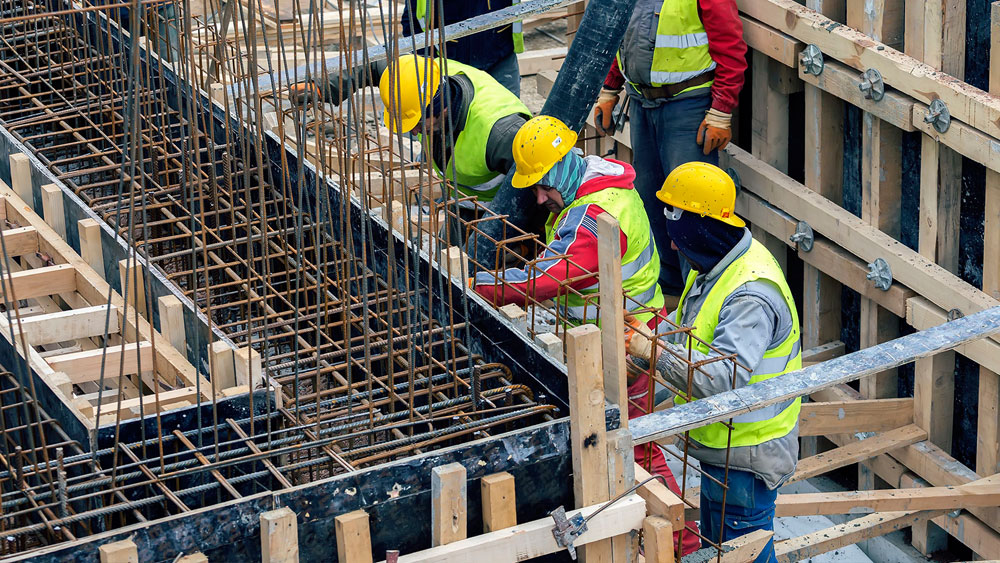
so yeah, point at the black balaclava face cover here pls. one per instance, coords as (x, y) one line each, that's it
(703, 241)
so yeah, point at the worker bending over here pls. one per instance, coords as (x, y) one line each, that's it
(737, 300)
(575, 190)
(681, 63)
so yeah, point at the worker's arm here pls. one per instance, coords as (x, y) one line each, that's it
(722, 23)
(500, 143)
(575, 237)
(747, 324)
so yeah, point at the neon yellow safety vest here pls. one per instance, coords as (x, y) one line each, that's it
(681, 49)
(640, 264)
(518, 31)
(771, 422)
(467, 167)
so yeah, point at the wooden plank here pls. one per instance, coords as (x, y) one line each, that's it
(20, 242)
(587, 428)
(91, 247)
(70, 325)
(536, 60)
(857, 451)
(889, 500)
(39, 282)
(124, 551)
(934, 397)
(354, 540)
(279, 536)
(769, 136)
(841, 417)
(20, 177)
(776, 45)
(449, 504)
(834, 537)
(745, 548)
(609, 257)
(535, 539)
(172, 322)
(222, 365)
(52, 208)
(85, 365)
(841, 81)
(248, 367)
(921, 314)
(499, 501)
(658, 539)
(660, 501)
(823, 352)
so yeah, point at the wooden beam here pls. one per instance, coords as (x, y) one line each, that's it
(124, 551)
(536, 60)
(172, 322)
(449, 504)
(609, 273)
(841, 81)
(85, 366)
(658, 539)
(931, 498)
(39, 282)
(499, 501)
(354, 540)
(857, 451)
(279, 536)
(746, 547)
(822, 353)
(20, 178)
(842, 417)
(660, 501)
(91, 247)
(248, 367)
(52, 208)
(840, 535)
(222, 365)
(68, 325)
(535, 539)
(20, 242)
(921, 314)
(773, 43)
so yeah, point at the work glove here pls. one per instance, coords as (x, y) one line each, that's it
(715, 130)
(604, 109)
(339, 87)
(638, 338)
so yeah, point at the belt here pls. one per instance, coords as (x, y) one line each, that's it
(671, 90)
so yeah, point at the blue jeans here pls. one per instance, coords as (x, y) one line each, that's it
(663, 138)
(507, 73)
(749, 507)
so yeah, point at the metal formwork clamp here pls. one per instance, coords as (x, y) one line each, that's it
(567, 530)
(811, 60)
(880, 273)
(938, 116)
(803, 236)
(871, 85)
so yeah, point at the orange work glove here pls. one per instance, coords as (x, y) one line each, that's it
(715, 131)
(639, 347)
(304, 92)
(606, 103)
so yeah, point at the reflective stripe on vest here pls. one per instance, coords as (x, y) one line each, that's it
(682, 41)
(491, 102)
(640, 264)
(516, 28)
(770, 422)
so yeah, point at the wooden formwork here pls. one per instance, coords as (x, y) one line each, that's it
(918, 47)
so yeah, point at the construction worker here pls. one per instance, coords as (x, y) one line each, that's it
(575, 190)
(737, 300)
(681, 63)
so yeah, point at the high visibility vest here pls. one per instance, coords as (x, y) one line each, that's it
(467, 168)
(640, 264)
(516, 29)
(681, 49)
(777, 420)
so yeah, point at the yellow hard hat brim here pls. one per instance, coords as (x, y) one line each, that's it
(405, 124)
(733, 220)
(519, 180)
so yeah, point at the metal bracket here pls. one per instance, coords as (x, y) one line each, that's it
(955, 314)
(736, 179)
(567, 530)
(880, 273)
(938, 116)
(812, 60)
(803, 236)
(871, 85)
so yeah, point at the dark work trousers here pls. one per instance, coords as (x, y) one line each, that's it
(507, 73)
(749, 507)
(663, 138)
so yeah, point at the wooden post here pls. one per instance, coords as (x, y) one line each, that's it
(551, 344)
(621, 477)
(91, 247)
(131, 276)
(52, 209)
(588, 436)
(222, 363)
(124, 551)
(279, 536)
(20, 178)
(172, 322)
(354, 539)
(499, 501)
(658, 536)
(769, 135)
(449, 504)
(609, 257)
(455, 262)
(249, 369)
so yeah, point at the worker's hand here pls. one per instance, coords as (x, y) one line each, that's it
(715, 130)
(471, 282)
(638, 338)
(605, 106)
(304, 93)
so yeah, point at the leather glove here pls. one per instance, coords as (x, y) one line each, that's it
(339, 87)
(715, 130)
(304, 93)
(638, 338)
(603, 110)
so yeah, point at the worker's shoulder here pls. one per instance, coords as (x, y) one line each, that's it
(764, 292)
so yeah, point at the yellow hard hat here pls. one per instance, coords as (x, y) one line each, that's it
(701, 188)
(538, 145)
(414, 80)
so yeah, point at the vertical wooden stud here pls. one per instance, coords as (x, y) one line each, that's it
(222, 364)
(609, 257)
(279, 536)
(20, 178)
(499, 501)
(248, 367)
(769, 136)
(124, 551)
(658, 537)
(131, 276)
(354, 539)
(621, 477)
(172, 322)
(52, 209)
(449, 504)
(91, 247)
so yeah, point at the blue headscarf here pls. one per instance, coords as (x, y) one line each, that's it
(566, 176)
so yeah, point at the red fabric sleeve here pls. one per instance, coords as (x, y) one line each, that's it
(722, 23)
(615, 79)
